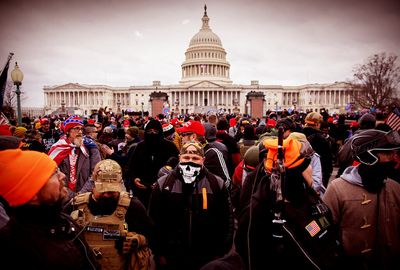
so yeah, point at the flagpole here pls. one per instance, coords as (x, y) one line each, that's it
(10, 55)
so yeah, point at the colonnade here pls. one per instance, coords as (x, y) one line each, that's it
(75, 98)
(204, 97)
(124, 98)
(329, 97)
(205, 70)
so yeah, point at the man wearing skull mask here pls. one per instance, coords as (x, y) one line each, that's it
(192, 214)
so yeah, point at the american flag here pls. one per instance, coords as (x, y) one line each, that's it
(62, 148)
(3, 120)
(313, 228)
(393, 119)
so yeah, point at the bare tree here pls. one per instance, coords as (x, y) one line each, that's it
(376, 81)
(10, 100)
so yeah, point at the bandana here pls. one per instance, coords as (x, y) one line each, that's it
(189, 171)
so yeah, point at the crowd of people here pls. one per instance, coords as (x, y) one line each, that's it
(214, 191)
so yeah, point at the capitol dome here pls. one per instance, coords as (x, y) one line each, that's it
(205, 57)
(205, 35)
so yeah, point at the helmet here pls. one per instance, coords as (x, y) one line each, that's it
(107, 176)
(287, 123)
(313, 119)
(365, 144)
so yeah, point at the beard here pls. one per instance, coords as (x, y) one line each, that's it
(55, 199)
(78, 141)
(373, 177)
(107, 206)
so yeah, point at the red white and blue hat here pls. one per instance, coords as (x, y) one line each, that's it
(71, 122)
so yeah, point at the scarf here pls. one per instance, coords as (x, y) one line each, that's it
(62, 148)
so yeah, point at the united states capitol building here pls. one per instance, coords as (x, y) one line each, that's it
(205, 86)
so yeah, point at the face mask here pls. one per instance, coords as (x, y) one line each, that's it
(372, 177)
(189, 171)
(107, 204)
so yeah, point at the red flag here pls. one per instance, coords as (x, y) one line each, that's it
(393, 119)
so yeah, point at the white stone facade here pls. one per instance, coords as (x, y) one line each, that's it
(205, 85)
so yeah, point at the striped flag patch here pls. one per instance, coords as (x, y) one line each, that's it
(313, 228)
(393, 119)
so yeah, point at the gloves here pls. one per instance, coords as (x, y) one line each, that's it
(136, 246)
(129, 243)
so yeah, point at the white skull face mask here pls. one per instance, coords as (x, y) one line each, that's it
(190, 171)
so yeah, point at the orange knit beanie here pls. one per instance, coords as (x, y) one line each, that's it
(291, 149)
(23, 174)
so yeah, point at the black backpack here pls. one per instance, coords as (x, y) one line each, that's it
(308, 229)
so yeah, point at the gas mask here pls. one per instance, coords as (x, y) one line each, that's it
(189, 171)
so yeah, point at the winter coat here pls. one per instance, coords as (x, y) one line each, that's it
(84, 170)
(193, 222)
(233, 149)
(145, 162)
(321, 146)
(369, 222)
(37, 237)
(255, 240)
(216, 159)
(317, 174)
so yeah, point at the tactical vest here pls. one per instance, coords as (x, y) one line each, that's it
(102, 232)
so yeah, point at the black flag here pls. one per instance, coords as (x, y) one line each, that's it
(3, 80)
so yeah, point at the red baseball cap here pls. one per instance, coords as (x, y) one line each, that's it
(271, 123)
(44, 120)
(194, 127)
(175, 122)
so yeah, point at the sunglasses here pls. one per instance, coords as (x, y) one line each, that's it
(77, 128)
(184, 134)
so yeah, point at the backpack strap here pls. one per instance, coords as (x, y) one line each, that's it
(123, 204)
(81, 199)
(81, 202)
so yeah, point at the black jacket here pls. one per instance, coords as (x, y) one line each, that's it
(256, 228)
(189, 234)
(320, 145)
(40, 237)
(145, 162)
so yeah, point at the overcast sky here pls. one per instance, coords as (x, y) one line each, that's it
(133, 42)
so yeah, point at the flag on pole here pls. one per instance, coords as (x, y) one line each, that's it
(3, 80)
(3, 119)
(393, 119)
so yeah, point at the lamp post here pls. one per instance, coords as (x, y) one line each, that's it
(17, 77)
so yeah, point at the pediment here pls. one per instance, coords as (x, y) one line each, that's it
(71, 86)
(205, 84)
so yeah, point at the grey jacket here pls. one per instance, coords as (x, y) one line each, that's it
(84, 169)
